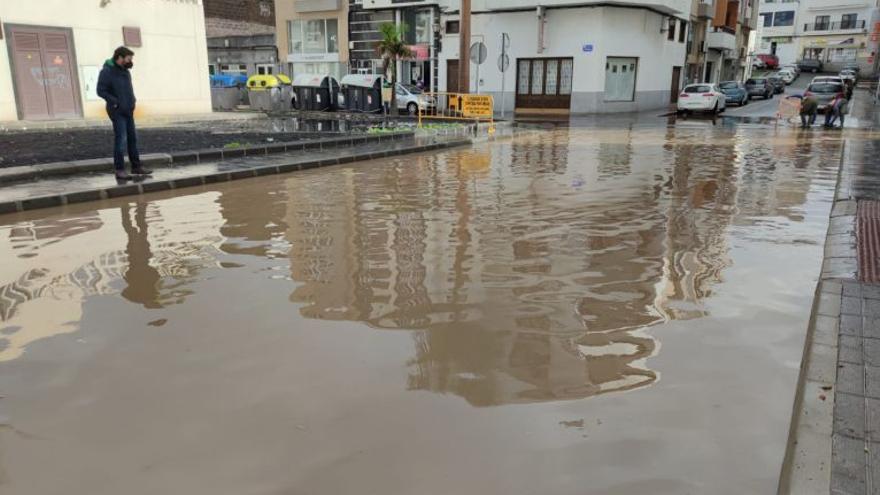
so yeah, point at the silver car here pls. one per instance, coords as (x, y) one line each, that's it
(411, 98)
(824, 92)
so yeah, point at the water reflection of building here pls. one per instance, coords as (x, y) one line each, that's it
(520, 294)
(152, 253)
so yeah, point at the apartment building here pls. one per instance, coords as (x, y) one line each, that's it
(777, 28)
(52, 51)
(574, 56)
(241, 37)
(837, 33)
(422, 34)
(727, 40)
(313, 36)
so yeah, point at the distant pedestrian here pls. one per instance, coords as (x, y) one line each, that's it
(809, 109)
(114, 86)
(835, 110)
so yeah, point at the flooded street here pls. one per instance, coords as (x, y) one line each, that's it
(615, 309)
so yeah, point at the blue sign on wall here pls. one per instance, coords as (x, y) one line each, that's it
(588, 47)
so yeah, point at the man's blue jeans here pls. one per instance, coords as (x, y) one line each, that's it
(125, 136)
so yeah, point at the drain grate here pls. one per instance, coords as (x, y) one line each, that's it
(868, 240)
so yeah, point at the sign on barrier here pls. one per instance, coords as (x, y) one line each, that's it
(476, 106)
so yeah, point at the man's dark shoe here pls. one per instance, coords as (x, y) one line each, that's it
(141, 171)
(122, 175)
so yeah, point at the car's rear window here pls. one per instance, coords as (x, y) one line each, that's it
(698, 89)
(825, 88)
(728, 85)
(755, 81)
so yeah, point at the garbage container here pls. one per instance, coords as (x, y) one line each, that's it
(227, 91)
(315, 92)
(362, 92)
(270, 93)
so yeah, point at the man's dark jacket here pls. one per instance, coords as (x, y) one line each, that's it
(114, 85)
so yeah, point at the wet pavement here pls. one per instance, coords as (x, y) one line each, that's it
(604, 309)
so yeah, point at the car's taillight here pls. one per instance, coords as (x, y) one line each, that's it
(683, 95)
(708, 94)
(807, 93)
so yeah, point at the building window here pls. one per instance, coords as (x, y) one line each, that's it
(682, 29)
(767, 19)
(783, 18)
(418, 23)
(265, 69)
(453, 27)
(670, 34)
(848, 21)
(620, 78)
(234, 69)
(212, 69)
(313, 36)
(822, 22)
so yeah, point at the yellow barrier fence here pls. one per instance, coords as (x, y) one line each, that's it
(456, 106)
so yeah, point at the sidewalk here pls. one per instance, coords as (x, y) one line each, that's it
(93, 186)
(834, 444)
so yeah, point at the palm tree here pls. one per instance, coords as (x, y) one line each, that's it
(392, 48)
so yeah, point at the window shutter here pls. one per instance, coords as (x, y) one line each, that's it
(131, 36)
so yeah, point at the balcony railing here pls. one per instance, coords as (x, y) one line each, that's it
(724, 29)
(835, 26)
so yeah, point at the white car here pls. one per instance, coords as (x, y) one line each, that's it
(704, 97)
(786, 75)
(410, 98)
(848, 74)
(827, 79)
(793, 68)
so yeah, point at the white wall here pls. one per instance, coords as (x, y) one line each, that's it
(170, 75)
(613, 32)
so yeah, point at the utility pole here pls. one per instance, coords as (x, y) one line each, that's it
(464, 48)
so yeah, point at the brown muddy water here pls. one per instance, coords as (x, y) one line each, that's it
(582, 310)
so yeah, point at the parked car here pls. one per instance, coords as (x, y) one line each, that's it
(760, 86)
(794, 68)
(786, 75)
(757, 63)
(778, 84)
(702, 97)
(853, 66)
(849, 75)
(770, 61)
(810, 65)
(410, 98)
(824, 92)
(833, 79)
(734, 93)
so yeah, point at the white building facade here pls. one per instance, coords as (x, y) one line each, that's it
(51, 52)
(777, 30)
(571, 56)
(837, 32)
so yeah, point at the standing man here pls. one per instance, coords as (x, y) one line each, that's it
(114, 86)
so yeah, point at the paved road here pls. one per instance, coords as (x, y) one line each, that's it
(767, 108)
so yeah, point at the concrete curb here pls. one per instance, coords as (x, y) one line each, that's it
(30, 172)
(807, 466)
(198, 180)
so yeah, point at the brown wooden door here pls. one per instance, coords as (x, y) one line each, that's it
(676, 84)
(452, 76)
(46, 85)
(544, 82)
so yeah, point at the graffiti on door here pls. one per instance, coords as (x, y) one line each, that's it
(52, 77)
